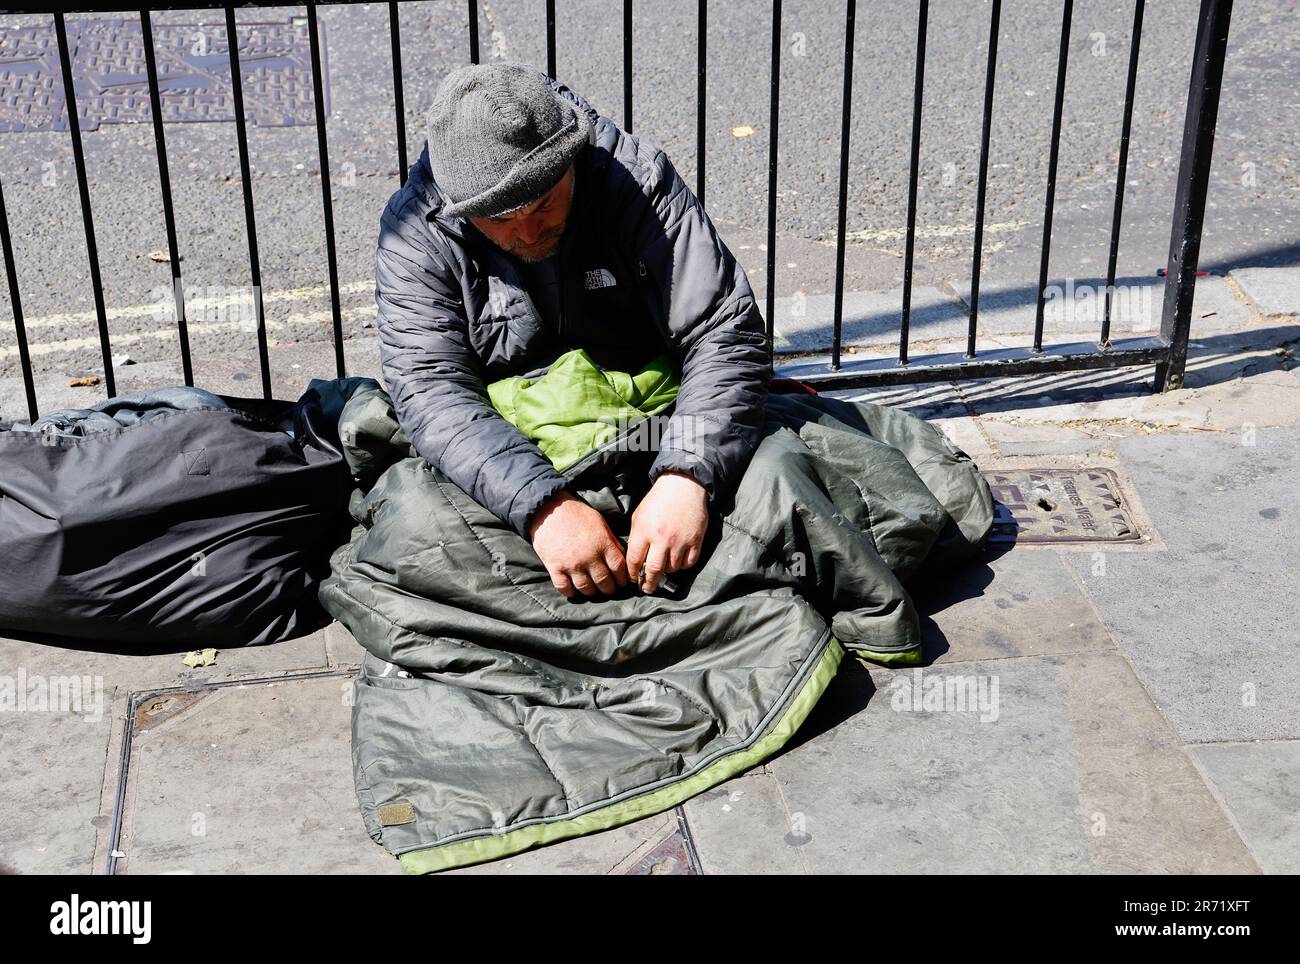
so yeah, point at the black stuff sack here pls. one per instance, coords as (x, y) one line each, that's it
(174, 517)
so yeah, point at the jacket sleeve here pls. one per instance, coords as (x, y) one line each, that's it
(435, 380)
(703, 300)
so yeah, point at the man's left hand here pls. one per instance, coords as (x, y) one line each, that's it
(667, 529)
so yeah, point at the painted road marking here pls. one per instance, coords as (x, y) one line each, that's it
(941, 231)
(123, 339)
(196, 306)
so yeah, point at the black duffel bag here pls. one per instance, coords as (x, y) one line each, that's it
(173, 518)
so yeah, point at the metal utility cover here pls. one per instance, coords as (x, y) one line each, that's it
(1059, 506)
(111, 79)
(255, 776)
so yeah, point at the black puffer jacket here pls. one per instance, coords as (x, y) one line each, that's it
(642, 269)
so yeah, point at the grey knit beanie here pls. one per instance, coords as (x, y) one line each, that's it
(500, 137)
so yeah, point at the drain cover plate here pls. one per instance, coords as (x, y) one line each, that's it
(1059, 506)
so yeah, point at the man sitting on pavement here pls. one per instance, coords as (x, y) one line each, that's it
(532, 225)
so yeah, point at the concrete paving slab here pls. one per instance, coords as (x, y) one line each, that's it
(56, 744)
(618, 850)
(1258, 784)
(53, 755)
(1205, 625)
(1231, 380)
(1275, 291)
(1019, 603)
(967, 434)
(1014, 437)
(341, 647)
(1068, 768)
(1240, 357)
(744, 827)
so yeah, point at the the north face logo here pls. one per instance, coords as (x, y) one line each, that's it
(598, 278)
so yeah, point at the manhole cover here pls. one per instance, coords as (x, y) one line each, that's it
(111, 79)
(1059, 505)
(670, 857)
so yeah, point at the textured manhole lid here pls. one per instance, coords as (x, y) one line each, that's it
(1059, 505)
(111, 79)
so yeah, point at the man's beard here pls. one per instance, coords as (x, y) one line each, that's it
(553, 238)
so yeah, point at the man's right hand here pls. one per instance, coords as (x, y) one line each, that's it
(578, 548)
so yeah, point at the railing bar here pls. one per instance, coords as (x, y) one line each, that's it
(982, 367)
(550, 37)
(1194, 167)
(92, 249)
(701, 62)
(250, 220)
(164, 180)
(473, 31)
(846, 110)
(326, 187)
(981, 190)
(773, 117)
(627, 66)
(1061, 63)
(917, 97)
(1120, 174)
(20, 329)
(399, 98)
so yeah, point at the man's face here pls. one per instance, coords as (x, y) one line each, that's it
(533, 232)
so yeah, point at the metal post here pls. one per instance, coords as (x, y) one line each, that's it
(164, 180)
(83, 188)
(1062, 62)
(701, 63)
(20, 329)
(550, 38)
(246, 178)
(1117, 211)
(627, 66)
(918, 90)
(773, 116)
(473, 31)
(326, 187)
(1193, 182)
(982, 190)
(399, 100)
(846, 114)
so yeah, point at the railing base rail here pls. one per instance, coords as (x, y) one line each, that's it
(993, 363)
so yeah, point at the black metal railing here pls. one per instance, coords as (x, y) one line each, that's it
(1167, 351)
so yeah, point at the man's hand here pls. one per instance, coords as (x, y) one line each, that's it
(576, 545)
(667, 529)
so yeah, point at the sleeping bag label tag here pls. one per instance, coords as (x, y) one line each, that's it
(395, 814)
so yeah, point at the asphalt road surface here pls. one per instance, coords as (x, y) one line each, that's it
(1254, 196)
